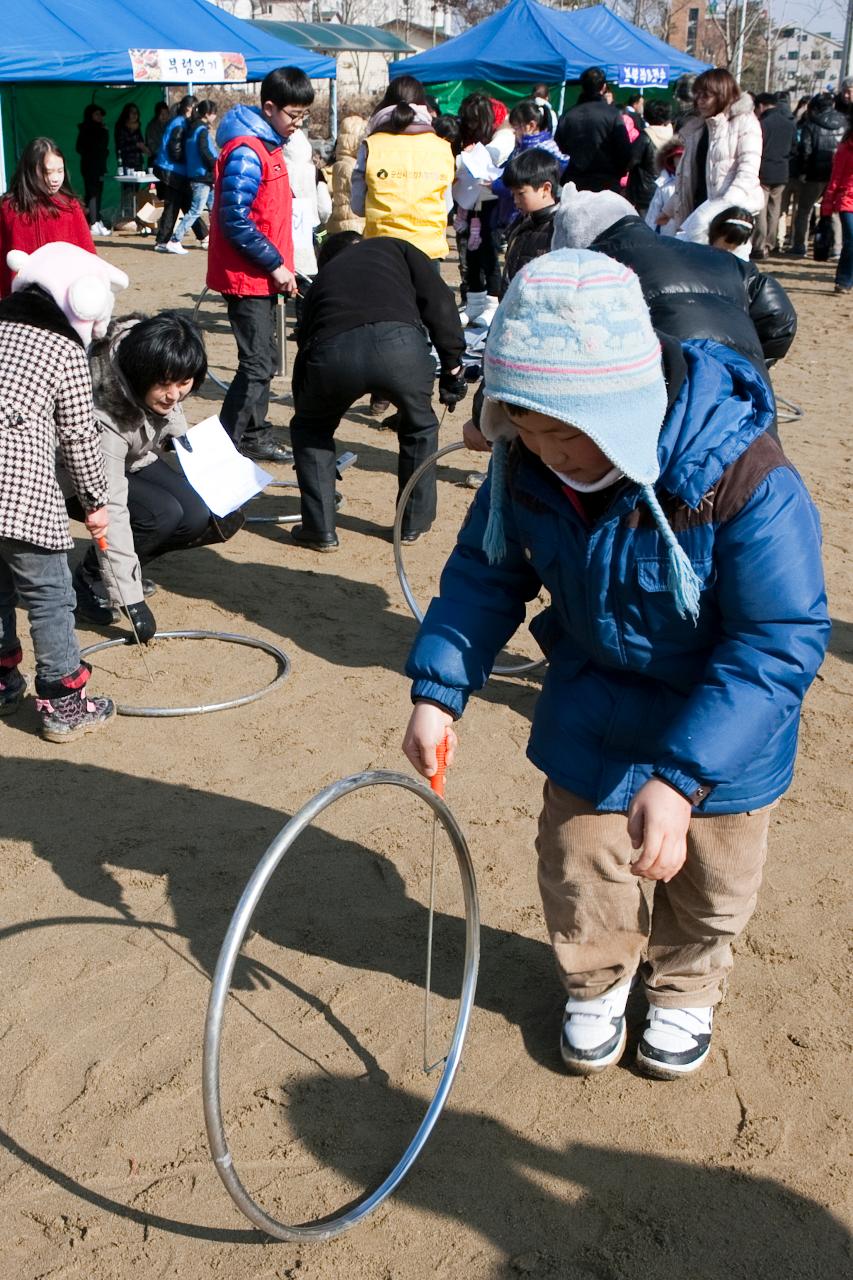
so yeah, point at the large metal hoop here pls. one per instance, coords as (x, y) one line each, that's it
(335, 1225)
(504, 669)
(281, 338)
(252, 642)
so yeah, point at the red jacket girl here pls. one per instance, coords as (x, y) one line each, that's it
(40, 207)
(838, 196)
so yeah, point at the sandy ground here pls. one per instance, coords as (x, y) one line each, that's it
(123, 858)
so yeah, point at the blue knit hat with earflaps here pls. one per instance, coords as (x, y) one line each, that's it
(572, 338)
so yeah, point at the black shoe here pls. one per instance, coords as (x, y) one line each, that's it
(378, 406)
(90, 605)
(411, 536)
(314, 541)
(264, 449)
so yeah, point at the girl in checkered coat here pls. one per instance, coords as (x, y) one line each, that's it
(45, 405)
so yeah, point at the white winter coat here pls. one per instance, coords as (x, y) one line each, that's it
(302, 173)
(734, 159)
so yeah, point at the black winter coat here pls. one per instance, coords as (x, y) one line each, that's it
(694, 291)
(593, 135)
(529, 238)
(642, 176)
(819, 138)
(93, 145)
(779, 130)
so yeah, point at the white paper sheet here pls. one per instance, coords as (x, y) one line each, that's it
(224, 478)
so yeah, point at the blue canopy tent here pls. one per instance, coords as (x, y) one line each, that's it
(59, 45)
(88, 40)
(527, 42)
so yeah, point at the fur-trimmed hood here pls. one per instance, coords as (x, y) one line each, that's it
(744, 105)
(115, 405)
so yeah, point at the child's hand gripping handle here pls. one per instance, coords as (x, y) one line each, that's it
(437, 779)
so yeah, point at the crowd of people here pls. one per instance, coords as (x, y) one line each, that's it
(635, 472)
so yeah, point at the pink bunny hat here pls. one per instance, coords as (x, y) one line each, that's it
(83, 285)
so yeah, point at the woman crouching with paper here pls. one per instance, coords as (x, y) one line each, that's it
(141, 372)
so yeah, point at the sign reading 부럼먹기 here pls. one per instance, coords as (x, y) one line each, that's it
(183, 66)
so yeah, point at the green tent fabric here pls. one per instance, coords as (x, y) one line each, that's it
(55, 111)
(449, 93)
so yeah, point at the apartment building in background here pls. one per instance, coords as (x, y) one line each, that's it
(806, 62)
(693, 27)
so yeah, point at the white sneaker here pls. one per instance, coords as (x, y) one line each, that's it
(161, 248)
(205, 243)
(594, 1031)
(175, 246)
(675, 1042)
(98, 229)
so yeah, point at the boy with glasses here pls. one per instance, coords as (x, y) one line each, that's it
(251, 248)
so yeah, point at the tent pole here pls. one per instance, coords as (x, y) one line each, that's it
(562, 98)
(333, 109)
(2, 153)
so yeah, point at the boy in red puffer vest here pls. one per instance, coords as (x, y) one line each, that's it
(251, 247)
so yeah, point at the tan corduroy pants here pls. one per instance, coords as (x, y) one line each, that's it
(602, 919)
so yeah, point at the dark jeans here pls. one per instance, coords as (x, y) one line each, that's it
(244, 409)
(809, 196)
(40, 581)
(392, 360)
(176, 200)
(93, 190)
(844, 271)
(482, 268)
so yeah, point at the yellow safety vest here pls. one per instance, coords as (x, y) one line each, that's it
(408, 175)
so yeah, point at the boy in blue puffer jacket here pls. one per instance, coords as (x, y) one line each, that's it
(638, 484)
(171, 168)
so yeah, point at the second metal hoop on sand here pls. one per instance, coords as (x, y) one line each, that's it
(251, 642)
(502, 669)
(336, 1224)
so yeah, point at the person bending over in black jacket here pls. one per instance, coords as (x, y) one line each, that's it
(691, 291)
(363, 330)
(533, 177)
(593, 135)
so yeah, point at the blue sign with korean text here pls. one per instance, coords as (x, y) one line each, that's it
(634, 76)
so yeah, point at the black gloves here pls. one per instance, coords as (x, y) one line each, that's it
(143, 621)
(452, 388)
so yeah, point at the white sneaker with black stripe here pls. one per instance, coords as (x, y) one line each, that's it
(594, 1031)
(675, 1042)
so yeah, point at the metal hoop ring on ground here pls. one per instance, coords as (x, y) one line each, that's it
(792, 411)
(327, 1228)
(251, 642)
(498, 669)
(217, 381)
